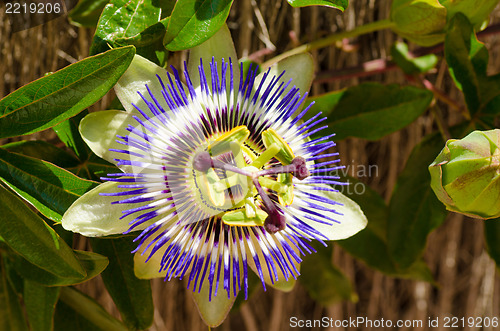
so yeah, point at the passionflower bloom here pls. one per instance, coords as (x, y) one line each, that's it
(220, 174)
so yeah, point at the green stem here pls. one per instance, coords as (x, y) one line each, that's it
(320, 43)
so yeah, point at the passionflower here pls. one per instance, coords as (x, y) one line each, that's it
(220, 174)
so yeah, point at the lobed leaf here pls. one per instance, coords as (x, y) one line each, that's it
(52, 99)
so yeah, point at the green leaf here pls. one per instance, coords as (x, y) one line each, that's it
(370, 244)
(420, 21)
(11, 313)
(40, 302)
(28, 235)
(76, 311)
(338, 4)
(467, 60)
(47, 187)
(412, 65)
(131, 295)
(43, 150)
(54, 98)
(149, 43)
(123, 19)
(414, 210)
(86, 13)
(324, 282)
(324, 103)
(93, 264)
(492, 236)
(477, 11)
(355, 111)
(194, 21)
(67, 131)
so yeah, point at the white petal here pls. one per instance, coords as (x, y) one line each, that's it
(93, 215)
(141, 72)
(351, 221)
(99, 131)
(219, 46)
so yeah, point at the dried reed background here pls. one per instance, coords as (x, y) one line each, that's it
(468, 281)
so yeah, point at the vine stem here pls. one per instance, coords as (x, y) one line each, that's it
(331, 39)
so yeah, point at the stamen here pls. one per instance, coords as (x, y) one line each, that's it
(298, 168)
(275, 221)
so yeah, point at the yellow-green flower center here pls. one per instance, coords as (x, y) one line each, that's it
(230, 177)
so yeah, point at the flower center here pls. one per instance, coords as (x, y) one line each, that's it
(231, 177)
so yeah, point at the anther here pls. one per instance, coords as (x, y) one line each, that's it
(202, 161)
(275, 221)
(298, 168)
(301, 172)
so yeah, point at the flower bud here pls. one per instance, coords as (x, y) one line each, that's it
(465, 175)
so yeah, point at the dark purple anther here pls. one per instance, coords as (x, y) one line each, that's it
(202, 161)
(274, 222)
(301, 172)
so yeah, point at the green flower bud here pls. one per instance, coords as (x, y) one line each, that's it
(465, 175)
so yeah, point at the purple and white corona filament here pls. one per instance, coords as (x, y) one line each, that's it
(221, 178)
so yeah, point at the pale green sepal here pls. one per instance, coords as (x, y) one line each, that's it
(149, 269)
(219, 46)
(284, 285)
(93, 215)
(213, 312)
(351, 221)
(140, 72)
(99, 130)
(299, 68)
(279, 281)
